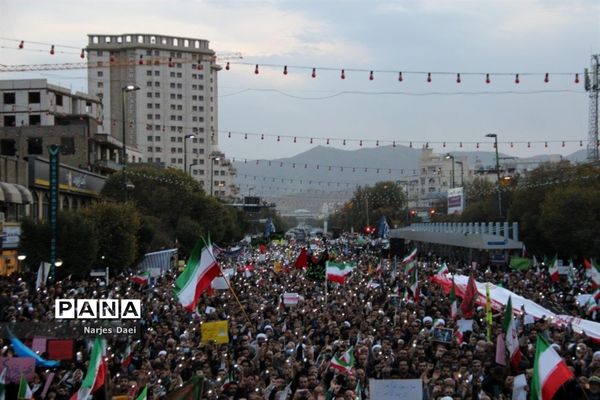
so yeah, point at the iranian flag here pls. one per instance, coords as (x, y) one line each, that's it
(412, 256)
(336, 272)
(410, 267)
(512, 338)
(345, 362)
(550, 372)
(453, 302)
(127, 355)
(197, 276)
(25, 392)
(143, 395)
(592, 305)
(553, 270)
(141, 279)
(592, 270)
(414, 284)
(96, 373)
(443, 270)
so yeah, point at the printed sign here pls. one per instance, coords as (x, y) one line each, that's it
(217, 331)
(455, 201)
(291, 299)
(17, 366)
(390, 389)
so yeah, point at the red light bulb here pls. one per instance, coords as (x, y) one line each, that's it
(294, 139)
(262, 136)
(21, 44)
(360, 143)
(546, 78)
(487, 78)
(410, 145)
(377, 143)
(429, 77)
(227, 66)
(82, 55)
(371, 76)
(52, 50)
(256, 70)
(576, 78)
(517, 80)
(457, 78)
(311, 140)
(400, 78)
(344, 142)
(229, 135)
(460, 145)
(245, 136)
(477, 146)
(314, 73)
(343, 75)
(112, 57)
(278, 138)
(141, 62)
(285, 72)
(563, 144)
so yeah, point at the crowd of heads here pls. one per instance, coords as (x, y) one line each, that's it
(279, 351)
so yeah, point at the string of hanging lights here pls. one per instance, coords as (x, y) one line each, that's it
(369, 73)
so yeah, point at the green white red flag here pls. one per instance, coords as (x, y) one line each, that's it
(337, 272)
(443, 270)
(141, 278)
(512, 338)
(453, 302)
(553, 270)
(414, 284)
(96, 373)
(197, 276)
(345, 362)
(25, 392)
(550, 371)
(592, 270)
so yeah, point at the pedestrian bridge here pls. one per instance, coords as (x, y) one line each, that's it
(472, 235)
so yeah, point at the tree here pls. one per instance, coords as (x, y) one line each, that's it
(117, 226)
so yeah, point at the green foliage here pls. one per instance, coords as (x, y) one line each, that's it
(77, 246)
(117, 226)
(384, 199)
(35, 242)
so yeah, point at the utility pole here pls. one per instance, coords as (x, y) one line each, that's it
(592, 86)
(493, 135)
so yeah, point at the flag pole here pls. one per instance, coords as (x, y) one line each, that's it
(230, 287)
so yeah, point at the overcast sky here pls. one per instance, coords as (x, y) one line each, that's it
(423, 35)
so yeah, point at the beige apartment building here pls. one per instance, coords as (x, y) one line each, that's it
(171, 110)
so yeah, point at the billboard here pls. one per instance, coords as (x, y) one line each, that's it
(456, 201)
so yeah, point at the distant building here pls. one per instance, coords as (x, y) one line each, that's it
(177, 98)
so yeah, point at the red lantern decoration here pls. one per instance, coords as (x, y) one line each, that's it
(82, 54)
(21, 44)
(256, 70)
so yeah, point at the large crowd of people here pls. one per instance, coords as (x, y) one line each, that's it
(279, 351)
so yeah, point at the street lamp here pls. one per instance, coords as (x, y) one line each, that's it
(451, 157)
(20, 259)
(185, 138)
(126, 89)
(58, 263)
(212, 172)
(462, 181)
(493, 135)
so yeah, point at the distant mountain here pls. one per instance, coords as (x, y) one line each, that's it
(324, 174)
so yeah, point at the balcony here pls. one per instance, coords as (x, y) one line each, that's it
(108, 165)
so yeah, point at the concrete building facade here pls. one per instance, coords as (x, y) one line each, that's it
(172, 119)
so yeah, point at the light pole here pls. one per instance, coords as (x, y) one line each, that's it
(451, 157)
(462, 181)
(185, 138)
(20, 259)
(212, 172)
(124, 91)
(493, 135)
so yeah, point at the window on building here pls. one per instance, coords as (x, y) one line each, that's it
(149, 83)
(10, 120)
(172, 74)
(180, 161)
(200, 151)
(195, 140)
(157, 95)
(157, 138)
(59, 100)
(157, 105)
(149, 105)
(179, 86)
(34, 97)
(172, 118)
(195, 172)
(149, 159)
(35, 145)
(200, 76)
(149, 73)
(156, 84)
(179, 150)
(172, 85)
(157, 73)
(200, 87)
(173, 160)
(35, 119)
(149, 116)
(179, 75)
(173, 150)
(150, 149)
(173, 139)
(9, 98)
(7, 147)
(179, 118)
(157, 127)
(158, 149)
(157, 159)
(149, 94)
(67, 145)
(156, 116)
